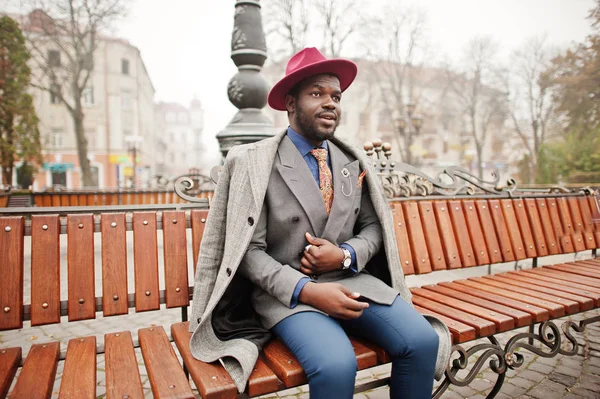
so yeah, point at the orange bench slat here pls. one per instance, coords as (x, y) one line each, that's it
(145, 264)
(122, 372)
(10, 358)
(11, 272)
(114, 264)
(39, 370)
(79, 375)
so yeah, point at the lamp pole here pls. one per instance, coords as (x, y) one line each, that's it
(409, 126)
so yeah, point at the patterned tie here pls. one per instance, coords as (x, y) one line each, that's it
(325, 178)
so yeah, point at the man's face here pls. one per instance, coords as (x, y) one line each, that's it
(316, 112)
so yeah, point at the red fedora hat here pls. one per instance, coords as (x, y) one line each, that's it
(306, 63)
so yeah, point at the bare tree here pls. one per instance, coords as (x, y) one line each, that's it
(396, 45)
(530, 103)
(340, 19)
(482, 104)
(63, 36)
(286, 26)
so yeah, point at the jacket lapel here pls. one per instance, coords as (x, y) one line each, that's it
(297, 177)
(345, 179)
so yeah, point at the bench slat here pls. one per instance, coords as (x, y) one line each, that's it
(487, 225)
(10, 358)
(79, 375)
(80, 256)
(501, 230)
(284, 364)
(122, 372)
(525, 228)
(539, 314)
(212, 379)
(588, 225)
(552, 278)
(451, 252)
(460, 331)
(37, 375)
(555, 310)
(585, 303)
(548, 226)
(45, 269)
(521, 318)
(537, 231)
(114, 264)
(562, 236)
(476, 234)
(145, 250)
(565, 276)
(465, 249)
(402, 241)
(565, 216)
(593, 201)
(167, 378)
(533, 281)
(502, 321)
(483, 327)
(175, 250)
(514, 233)
(574, 269)
(569, 306)
(416, 237)
(11, 272)
(198, 224)
(432, 236)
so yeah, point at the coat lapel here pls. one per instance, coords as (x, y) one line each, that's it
(261, 159)
(344, 191)
(297, 177)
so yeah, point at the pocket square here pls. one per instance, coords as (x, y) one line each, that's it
(361, 177)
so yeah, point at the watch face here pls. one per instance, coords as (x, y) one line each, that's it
(347, 262)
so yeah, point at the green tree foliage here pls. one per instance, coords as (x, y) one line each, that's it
(575, 77)
(19, 134)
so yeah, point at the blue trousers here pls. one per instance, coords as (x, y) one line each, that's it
(321, 345)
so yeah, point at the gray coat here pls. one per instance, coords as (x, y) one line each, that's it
(225, 326)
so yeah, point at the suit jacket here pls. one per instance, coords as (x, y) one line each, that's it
(224, 324)
(294, 205)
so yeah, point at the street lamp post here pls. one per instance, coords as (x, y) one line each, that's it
(408, 125)
(134, 144)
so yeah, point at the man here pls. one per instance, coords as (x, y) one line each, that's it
(299, 223)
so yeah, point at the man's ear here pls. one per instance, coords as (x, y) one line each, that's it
(290, 103)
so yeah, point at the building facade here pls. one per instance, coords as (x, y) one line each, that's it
(178, 134)
(118, 104)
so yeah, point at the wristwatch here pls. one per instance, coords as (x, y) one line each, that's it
(347, 261)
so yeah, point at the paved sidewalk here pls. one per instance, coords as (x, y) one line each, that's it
(540, 378)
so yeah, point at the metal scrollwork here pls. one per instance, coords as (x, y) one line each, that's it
(404, 180)
(492, 351)
(549, 342)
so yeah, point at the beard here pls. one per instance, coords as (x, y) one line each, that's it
(309, 126)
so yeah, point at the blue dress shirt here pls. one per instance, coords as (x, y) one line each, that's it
(304, 146)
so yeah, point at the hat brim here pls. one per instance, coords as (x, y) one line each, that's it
(345, 71)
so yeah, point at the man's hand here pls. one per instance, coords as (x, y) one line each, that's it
(321, 256)
(334, 299)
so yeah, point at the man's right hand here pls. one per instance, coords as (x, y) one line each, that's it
(334, 299)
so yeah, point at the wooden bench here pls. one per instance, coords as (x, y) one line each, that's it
(433, 234)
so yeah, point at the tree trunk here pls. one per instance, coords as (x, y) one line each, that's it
(82, 148)
(479, 150)
(7, 175)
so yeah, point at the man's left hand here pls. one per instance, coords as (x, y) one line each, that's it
(322, 256)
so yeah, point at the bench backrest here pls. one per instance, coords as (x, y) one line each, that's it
(432, 234)
(42, 234)
(439, 234)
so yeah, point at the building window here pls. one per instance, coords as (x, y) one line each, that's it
(53, 58)
(56, 139)
(87, 96)
(124, 66)
(54, 93)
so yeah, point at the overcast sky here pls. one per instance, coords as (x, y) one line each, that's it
(185, 44)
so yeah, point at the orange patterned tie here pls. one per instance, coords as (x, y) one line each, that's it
(325, 178)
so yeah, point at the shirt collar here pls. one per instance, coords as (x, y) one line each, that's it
(301, 143)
